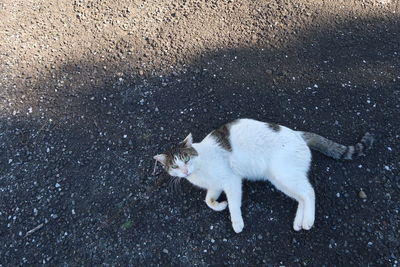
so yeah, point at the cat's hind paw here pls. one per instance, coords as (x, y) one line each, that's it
(308, 223)
(297, 225)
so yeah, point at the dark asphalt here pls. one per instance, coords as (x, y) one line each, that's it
(85, 178)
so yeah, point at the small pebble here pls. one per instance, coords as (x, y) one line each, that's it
(165, 251)
(386, 168)
(362, 194)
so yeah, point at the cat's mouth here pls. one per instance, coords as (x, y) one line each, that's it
(187, 173)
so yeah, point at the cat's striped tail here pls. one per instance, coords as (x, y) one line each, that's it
(335, 150)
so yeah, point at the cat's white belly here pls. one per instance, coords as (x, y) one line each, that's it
(249, 169)
(262, 166)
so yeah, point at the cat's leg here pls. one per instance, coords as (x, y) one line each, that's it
(211, 200)
(298, 187)
(308, 195)
(233, 192)
(298, 220)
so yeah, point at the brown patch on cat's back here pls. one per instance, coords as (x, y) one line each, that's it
(273, 126)
(221, 135)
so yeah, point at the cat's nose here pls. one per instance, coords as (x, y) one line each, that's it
(186, 172)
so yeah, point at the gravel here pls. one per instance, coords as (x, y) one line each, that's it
(91, 90)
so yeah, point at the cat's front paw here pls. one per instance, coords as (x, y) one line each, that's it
(215, 205)
(238, 225)
(219, 206)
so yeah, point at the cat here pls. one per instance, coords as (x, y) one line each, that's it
(255, 150)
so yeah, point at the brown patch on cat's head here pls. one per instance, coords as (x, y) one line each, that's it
(181, 151)
(178, 152)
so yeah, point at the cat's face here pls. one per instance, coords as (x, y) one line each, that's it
(179, 161)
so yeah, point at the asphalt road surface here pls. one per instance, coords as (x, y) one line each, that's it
(90, 91)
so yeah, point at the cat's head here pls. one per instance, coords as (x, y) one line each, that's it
(179, 161)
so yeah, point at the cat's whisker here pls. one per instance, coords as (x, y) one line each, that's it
(172, 184)
(175, 182)
(155, 168)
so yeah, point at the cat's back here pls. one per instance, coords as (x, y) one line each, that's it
(250, 137)
(253, 134)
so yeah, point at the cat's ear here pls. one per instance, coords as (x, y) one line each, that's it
(188, 141)
(162, 158)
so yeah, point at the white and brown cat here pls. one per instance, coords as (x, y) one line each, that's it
(255, 150)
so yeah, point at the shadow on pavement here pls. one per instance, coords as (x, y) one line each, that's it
(81, 162)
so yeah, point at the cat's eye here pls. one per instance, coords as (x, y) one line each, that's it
(187, 159)
(174, 166)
